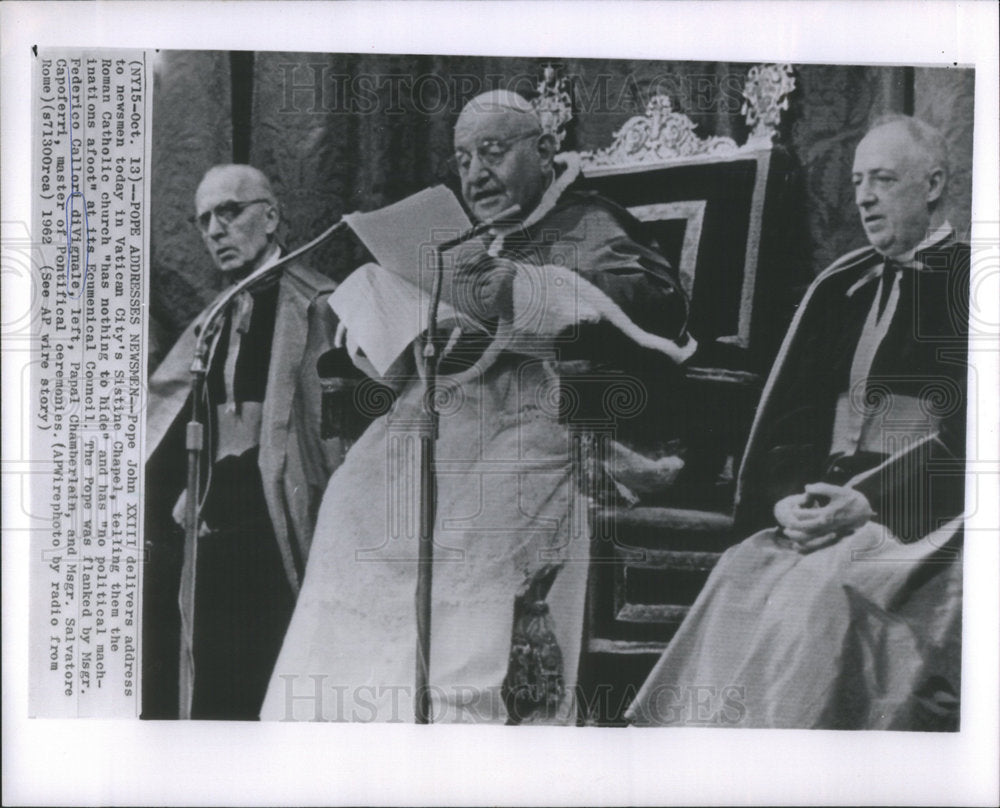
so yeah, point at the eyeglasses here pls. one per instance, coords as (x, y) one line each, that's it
(225, 212)
(490, 152)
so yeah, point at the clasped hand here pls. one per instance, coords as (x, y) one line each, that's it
(483, 289)
(822, 515)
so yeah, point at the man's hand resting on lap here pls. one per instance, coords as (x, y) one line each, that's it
(822, 515)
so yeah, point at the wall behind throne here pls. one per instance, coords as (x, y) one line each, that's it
(338, 133)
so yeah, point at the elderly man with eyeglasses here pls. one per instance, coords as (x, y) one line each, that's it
(843, 610)
(265, 468)
(560, 275)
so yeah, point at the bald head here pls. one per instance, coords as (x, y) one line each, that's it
(504, 157)
(900, 173)
(925, 141)
(237, 213)
(239, 178)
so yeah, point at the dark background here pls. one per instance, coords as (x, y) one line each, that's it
(341, 132)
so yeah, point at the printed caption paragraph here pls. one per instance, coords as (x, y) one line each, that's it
(90, 148)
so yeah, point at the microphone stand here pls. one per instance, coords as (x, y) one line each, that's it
(428, 469)
(195, 445)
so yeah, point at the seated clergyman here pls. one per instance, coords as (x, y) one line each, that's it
(561, 264)
(847, 613)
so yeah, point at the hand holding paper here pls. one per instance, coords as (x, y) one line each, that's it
(384, 305)
(402, 237)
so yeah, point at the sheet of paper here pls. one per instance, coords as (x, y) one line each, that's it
(402, 236)
(383, 313)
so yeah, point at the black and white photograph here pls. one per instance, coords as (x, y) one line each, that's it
(660, 440)
(546, 400)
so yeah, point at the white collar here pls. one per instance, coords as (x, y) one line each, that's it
(938, 234)
(273, 254)
(934, 237)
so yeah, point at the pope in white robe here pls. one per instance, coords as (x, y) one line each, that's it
(567, 277)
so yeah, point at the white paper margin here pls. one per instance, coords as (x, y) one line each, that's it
(95, 762)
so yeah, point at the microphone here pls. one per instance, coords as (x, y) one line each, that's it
(255, 279)
(435, 302)
(471, 233)
(480, 228)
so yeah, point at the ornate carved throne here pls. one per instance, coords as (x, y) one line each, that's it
(723, 214)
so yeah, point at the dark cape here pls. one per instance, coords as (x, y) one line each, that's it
(924, 356)
(865, 633)
(294, 463)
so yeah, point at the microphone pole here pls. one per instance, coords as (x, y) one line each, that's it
(428, 470)
(194, 445)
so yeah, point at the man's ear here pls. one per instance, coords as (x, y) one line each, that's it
(936, 180)
(272, 218)
(547, 148)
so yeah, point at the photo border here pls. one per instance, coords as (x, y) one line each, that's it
(122, 762)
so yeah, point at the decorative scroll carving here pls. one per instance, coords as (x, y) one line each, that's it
(554, 104)
(663, 135)
(659, 135)
(766, 96)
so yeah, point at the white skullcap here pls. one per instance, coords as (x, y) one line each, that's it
(500, 100)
